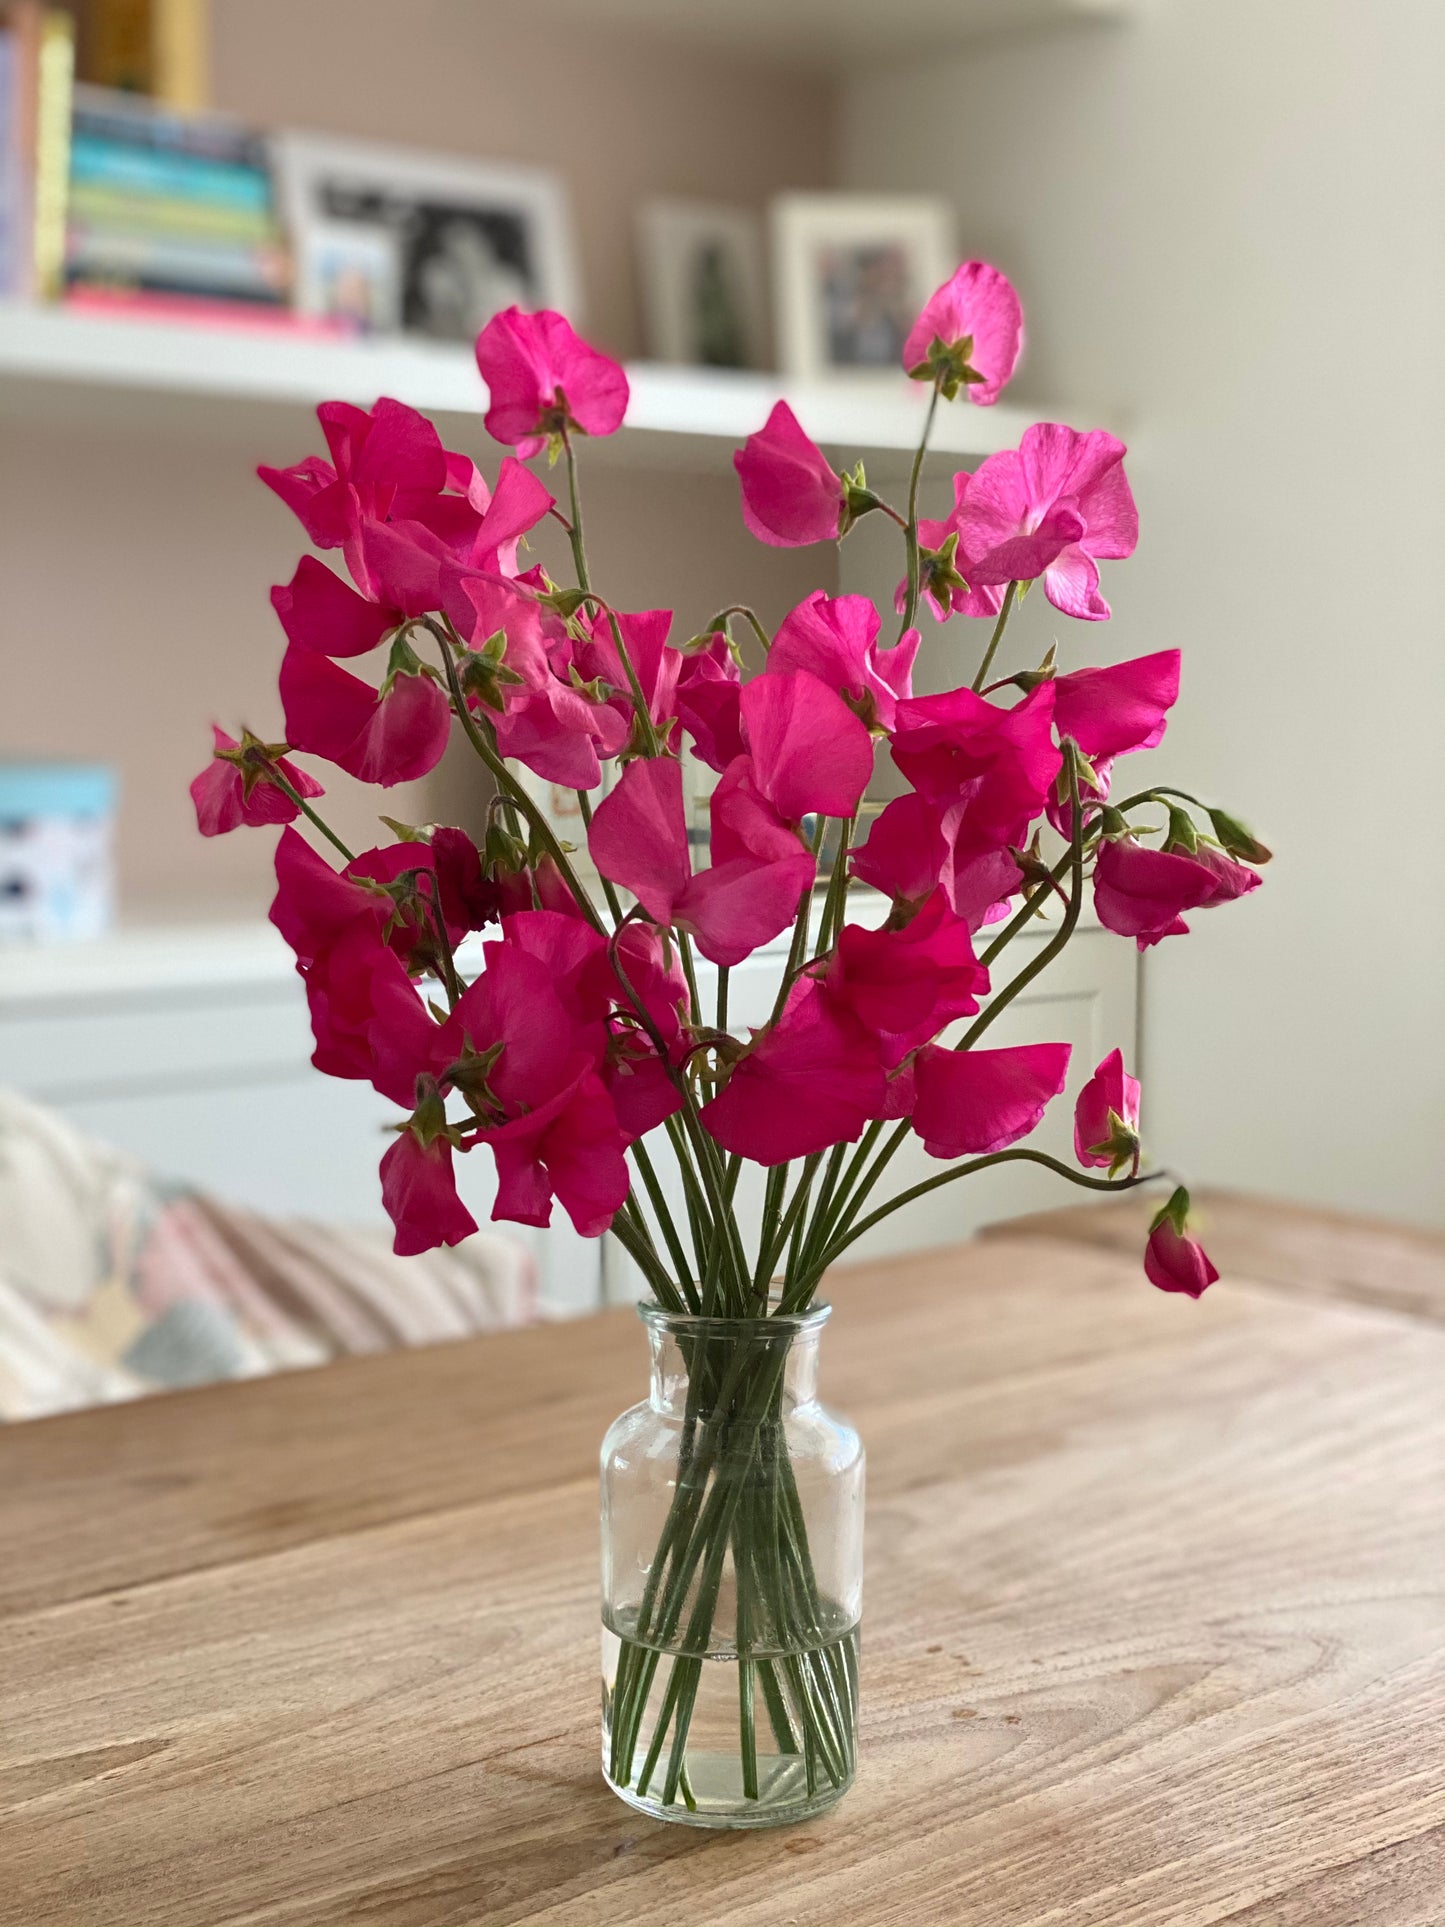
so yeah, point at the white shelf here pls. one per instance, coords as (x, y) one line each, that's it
(52, 360)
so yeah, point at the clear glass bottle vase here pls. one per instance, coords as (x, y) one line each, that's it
(732, 1567)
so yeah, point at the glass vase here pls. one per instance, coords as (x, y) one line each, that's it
(732, 1568)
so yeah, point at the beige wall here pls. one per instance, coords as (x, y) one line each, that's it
(136, 566)
(1225, 216)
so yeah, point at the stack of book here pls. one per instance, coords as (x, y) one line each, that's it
(169, 210)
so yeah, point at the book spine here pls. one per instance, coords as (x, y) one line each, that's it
(181, 54)
(140, 122)
(8, 169)
(110, 163)
(100, 254)
(26, 19)
(55, 78)
(166, 215)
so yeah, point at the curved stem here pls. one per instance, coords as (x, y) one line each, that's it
(997, 637)
(749, 615)
(966, 1170)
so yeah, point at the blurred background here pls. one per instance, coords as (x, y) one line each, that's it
(1224, 219)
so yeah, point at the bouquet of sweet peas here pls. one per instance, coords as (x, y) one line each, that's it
(584, 1045)
(584, 1032)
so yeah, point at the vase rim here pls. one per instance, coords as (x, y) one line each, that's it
(781, 1324)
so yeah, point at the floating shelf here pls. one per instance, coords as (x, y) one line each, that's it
(679, 417)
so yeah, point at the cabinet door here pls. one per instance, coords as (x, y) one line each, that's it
(1086, 998)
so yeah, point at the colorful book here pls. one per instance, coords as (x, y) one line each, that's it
(55, 81)
(236, 269)
(137, 169)
(111, 115)
(158, 48)
(24, 21)
(168, 214)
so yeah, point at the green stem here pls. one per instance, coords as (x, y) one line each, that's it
(910, 533)
(584, 804)
(749, 615)
(273, 775)
(997, 637)
(1017, 1155)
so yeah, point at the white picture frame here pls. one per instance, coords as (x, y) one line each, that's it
(391, 240)
(850, 274)
(703, 284)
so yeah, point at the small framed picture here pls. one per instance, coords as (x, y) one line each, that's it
(851, 272)
(392, 241)
(702, 284)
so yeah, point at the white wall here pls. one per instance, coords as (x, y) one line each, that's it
(1225, 217)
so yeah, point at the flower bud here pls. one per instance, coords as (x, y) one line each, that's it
(1236, 840)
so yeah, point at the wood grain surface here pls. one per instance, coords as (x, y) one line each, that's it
(1154, 1627)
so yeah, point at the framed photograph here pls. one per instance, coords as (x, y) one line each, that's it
(850, 273)
(392, 241)
(702, 284)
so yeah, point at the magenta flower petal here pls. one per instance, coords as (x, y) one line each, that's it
(835, 638)
(905, 851)
(998, 765)
(541, 375)
(971, 1103)
(1110, 1089)
(1110, 712)
(791, 494)
(809, 751)
(978, 302)
(708, 699)
(638, 836)
(320, 612)
(812, 1080)
(419, 1190)
(379, 739)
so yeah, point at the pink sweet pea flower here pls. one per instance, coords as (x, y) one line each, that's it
(708, 700)
(809, 752)
(543, 379)
(1172, 1259)
(389, 735)
(904, 985)
(542, 720)
(1053, 507)
(835, 638)
(644, 635)
(1106, 1117)
(555, 1132)
(976, 321)
(385, 461)
(791, 495)
(638, 838)
(325, 615)
(1112, 712)
(811, 1080)
(1142, 893)
(916, 846)
(970, 1103)
(419, 1191)
(995, 765)
(233, 789)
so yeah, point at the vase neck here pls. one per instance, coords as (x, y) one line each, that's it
(698, 1363)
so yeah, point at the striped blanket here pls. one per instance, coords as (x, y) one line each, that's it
(113, 1284)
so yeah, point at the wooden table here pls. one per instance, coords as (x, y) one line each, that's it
(1155, 1624)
